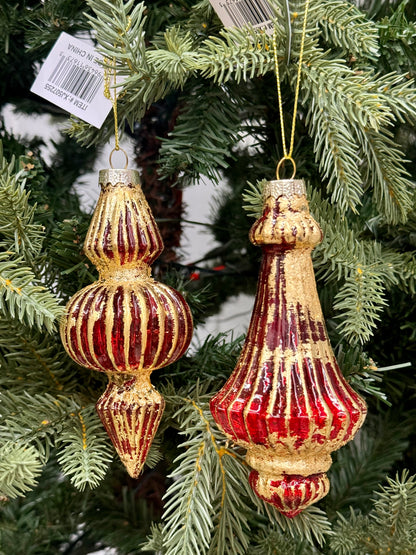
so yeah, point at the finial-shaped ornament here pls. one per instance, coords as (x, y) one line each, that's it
(286, 401)
(126, 324)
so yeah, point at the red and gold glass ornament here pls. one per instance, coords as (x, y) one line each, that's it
(286, 401)
(126, 324)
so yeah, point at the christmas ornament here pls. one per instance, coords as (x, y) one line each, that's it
(286, 401)
(126, 324)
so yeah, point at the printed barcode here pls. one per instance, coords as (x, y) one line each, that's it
(247, 11)
(75, 79)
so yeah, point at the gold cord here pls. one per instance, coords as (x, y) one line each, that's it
(113, 99)
(288, 154)
(107, 91)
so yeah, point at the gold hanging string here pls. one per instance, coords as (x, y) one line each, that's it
(108, 73)
(113, 98)
(288, 153)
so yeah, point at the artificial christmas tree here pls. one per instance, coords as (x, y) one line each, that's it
(354, 132)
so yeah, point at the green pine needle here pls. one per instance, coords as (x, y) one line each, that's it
(85, 451)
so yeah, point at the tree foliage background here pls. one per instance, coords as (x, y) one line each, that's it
(192, 91)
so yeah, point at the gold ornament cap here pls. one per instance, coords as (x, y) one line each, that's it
(284, 188)
(121, 177)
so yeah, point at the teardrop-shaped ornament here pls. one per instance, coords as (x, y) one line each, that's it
(286, 401)
(126, 324)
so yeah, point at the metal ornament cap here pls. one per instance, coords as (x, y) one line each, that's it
(284, 187)
(120, 177)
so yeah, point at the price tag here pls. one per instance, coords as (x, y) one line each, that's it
(237, 13)
(72, 78)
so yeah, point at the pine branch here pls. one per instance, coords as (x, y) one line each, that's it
(389, 528)
(215, 360)
(336, 152)
(351, 536)
(239, 54)
(65, 251)
(343, 251)
(154, 540)
(395, 513)
(34, 419)
(356, 96)
(351, 110)
(21, 297)
(397, 39)
(85, 451)
(273, 542)
(20, 466)
(18, 232)
(119, 28)
(253, 199)
(361, 372)
(33, 360)
(188, 508)
(398, 92)
(174, 56)
(364, 462)
(347, 28)
(360, 303)
(232, 510)
(385, 172)
(407, 275)
(205, 132)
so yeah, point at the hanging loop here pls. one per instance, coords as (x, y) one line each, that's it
(118, 150)
(282, 163)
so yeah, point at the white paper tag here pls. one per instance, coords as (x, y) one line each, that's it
(237, 13)
(72, 78)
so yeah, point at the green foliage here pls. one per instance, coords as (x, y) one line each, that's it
(22, 298)
(20, 467)
(361, 372)
(273, 542)
(389, 528)
(363, 463)
(215, 360)
(21, 295)
(204, 111)
(397, 37)
(33, 361)
(85, 452)
(66, 252)
(359, 303)
(18, 231)
(346, 27)
(189, 498)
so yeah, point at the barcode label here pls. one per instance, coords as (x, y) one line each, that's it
(72, 78)
(82, 83)
(237, 13)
